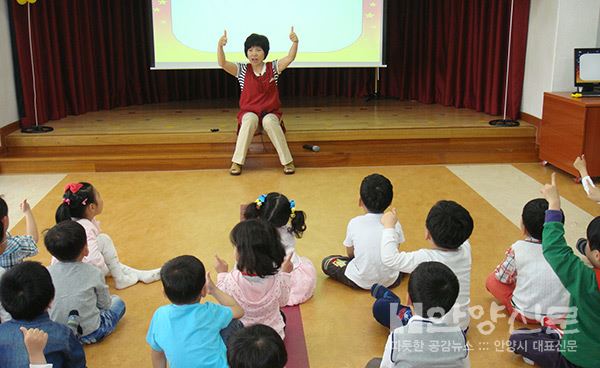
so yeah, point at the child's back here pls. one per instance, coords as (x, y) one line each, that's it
(190, 333)
(425, 340)
(187, 333)
(583, 283)
(79, 286)
(581, 341)
(364, 235)
(524, 282)
(26, 291)
(449, 225)
(363, 266)
(13, 249)
(257, 283)
(261, 298)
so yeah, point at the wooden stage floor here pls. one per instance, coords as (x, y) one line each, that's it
(201, 134)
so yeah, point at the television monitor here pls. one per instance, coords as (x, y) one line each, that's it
(587, 69)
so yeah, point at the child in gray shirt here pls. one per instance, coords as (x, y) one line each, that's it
(80, 286)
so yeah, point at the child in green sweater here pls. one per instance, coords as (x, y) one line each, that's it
(579, 346)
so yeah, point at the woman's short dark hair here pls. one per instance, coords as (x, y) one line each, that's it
(257, 40)
(258, 246)
(257, 346)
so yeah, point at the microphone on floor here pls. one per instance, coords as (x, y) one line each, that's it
(311, 147)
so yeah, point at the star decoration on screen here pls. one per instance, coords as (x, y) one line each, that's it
(373, 4)
(369, 15)
(162, 2)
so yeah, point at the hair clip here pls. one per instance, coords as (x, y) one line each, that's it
(260, 200)
(73, 187)
(293, 208)
(67, 201)
(84, 202)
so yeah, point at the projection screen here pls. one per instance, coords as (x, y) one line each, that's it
(332, 33)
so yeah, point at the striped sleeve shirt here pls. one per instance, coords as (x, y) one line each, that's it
(506, 272)
(17, 249)
(243, 68)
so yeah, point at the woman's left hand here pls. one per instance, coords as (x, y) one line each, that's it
(293, 36)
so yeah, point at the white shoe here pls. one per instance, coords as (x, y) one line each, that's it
(145, 276)
(125, 280)
(528, 361)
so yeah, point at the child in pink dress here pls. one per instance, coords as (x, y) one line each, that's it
(82, 203)
(260, 281)
(278, 210)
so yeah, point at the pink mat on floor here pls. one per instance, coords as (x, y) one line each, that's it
(294, 338)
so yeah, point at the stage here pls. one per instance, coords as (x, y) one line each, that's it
(201, 134)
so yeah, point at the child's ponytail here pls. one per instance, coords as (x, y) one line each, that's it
(278, 210)
(76, 198)
(252, 210)
(298, 223)
(3, 213)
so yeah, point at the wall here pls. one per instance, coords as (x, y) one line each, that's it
(556, 27)
(8, 102)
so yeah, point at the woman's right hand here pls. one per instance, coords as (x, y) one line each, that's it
(223, 39)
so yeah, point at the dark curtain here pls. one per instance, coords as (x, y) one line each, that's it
(94, 54)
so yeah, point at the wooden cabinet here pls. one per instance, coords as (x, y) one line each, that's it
(570, 127)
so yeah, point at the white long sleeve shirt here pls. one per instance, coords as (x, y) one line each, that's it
(458, 260)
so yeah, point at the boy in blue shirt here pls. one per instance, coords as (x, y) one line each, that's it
(188, 333)
(26, 291)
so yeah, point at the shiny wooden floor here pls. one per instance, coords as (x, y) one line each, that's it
(201, 134)
(154, 216)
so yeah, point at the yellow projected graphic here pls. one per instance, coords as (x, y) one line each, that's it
(330, 32)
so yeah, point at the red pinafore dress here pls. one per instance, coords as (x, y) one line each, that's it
(259, 94)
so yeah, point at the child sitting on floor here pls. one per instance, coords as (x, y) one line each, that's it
(578, 345)
(260, 281)
(363, 266)
(425, 340)
(448, 228)
(82, 203)
(80, 286)
(276, 209)
(26, 292)
(188, 333)
(524, 282)
(257, 346)
(13, 249)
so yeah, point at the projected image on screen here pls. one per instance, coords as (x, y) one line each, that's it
(332, 33)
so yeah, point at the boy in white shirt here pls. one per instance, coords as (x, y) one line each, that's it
(448, 228)
(363, 266)
(524, 282)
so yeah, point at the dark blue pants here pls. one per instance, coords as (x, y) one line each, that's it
(387, 309)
